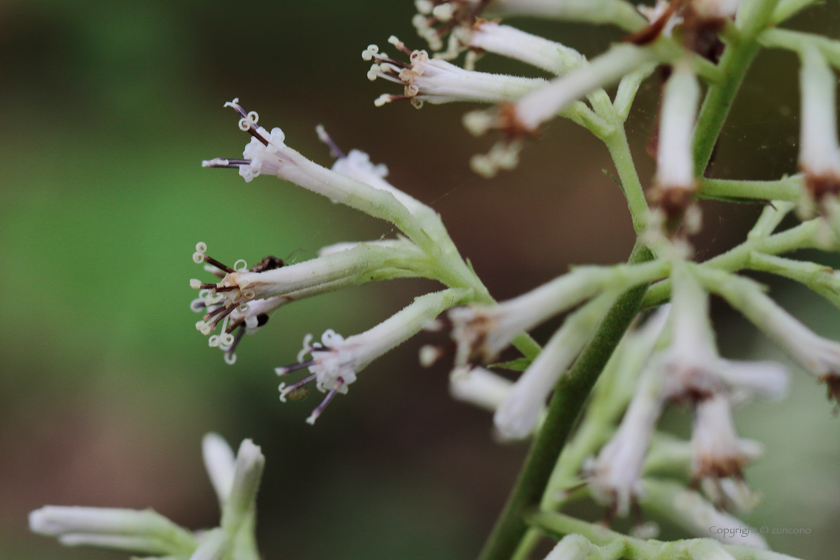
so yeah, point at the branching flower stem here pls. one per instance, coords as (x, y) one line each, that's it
(789, 189)
(803, 236)
(575, 386)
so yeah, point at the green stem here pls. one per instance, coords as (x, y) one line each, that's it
(631, 185)
(789, 189)
(803, 236)
(734, 64)
(797, 40)
(566, 404)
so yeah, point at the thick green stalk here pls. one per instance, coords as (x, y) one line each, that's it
(569, 396)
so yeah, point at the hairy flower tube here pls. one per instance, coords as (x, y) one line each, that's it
(675, 183)
(335, 361)
(235, 480)
(819, 151)
(267, 154)
(545, 103)
(438, 81)
(504, 40)
(482, 332)
(241, 287)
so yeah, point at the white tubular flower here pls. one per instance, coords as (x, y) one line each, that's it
(544, 103)
(508, 41)
(695, 370)
(335, 361)
(616, 12)
(479, 387)
(267, 154)
(438, 81)
(674, 162)
(746, 380)
(240, 288)
(482, 332)
(572, 547)
(819, 152)
(138, 531)
(520, 411)
(614, 475)
(819, 356)
(718, 453)
(220, 464)
(702, 518)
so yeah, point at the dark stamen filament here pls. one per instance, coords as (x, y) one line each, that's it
(294, 367)
(217, 264)
(236, 339)
(317, 412)
(213, 313)
(295, 386)
(229, 163)
(227, 311)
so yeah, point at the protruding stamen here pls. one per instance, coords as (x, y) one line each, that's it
(217, 264)
(248, 122)
(317, 412)
(293, 367)
(226, 311)
(230, 353)
(212, 313)
(399, 44)
(326, 139)
(225, 162)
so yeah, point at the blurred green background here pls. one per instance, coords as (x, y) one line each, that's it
(106, 387)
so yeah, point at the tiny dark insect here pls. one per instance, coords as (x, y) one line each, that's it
(268, 263)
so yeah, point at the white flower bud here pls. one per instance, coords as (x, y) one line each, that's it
(139, 531)
(674, 162)
(220, 464)
(247, 474)
(819, 152)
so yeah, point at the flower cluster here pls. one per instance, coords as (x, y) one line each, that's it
(606, 447)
